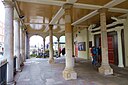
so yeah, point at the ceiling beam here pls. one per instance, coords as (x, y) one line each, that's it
(71, 1)
(86, 6)
(59, 14)
(113, 3)
(96, 7)
(85, 17)
(118, 10)
(27, 23)
(108, 5)
(123, 16)
(47, 2)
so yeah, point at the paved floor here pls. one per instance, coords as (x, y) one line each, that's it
(39, 72)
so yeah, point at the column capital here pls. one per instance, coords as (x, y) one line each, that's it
(8, 4)
(118, 29)
(67, 6)
(92, 34)
(50, 26)
(43, 39)
(58, 39)
(17, 19)
(102, 10)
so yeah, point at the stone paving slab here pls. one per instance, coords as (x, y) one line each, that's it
(40, 72)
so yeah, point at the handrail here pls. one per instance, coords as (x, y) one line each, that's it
(3, 71)
(2, 62)
(14, 65)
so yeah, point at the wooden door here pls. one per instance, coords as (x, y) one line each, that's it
(76, 50)
(111, 54)
(110, 50)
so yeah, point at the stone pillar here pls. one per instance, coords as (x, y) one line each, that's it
(68, 72)
(51, 59)
(27, 46)
(8, 40)
(58, 42)
(93, 43)
(105, 67)
(87, 43)
(44, 45)
(17, 43)
(73, 55)
(120, 55)
(21, 44)
(126, 40)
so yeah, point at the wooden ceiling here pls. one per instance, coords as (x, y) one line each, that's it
(41, 12)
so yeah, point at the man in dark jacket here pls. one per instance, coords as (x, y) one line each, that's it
(63, 51)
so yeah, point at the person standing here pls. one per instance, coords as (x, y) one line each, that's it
(63, 51)
(59, 52)
(94, 52)
(99, 54)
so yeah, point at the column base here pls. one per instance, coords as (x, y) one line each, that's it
(18, 70)
(69, 74)
(106, 70)
(51, 61)
(120, 65)
(11, 83)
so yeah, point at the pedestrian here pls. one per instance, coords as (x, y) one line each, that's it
(59, 52)
(63, 51)
(94, 52)
(99, 54)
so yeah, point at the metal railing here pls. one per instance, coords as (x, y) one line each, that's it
(14, 65)
(3, 71)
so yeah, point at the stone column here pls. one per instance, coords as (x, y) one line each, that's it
(17, 43)
(105, 67)
(58, 42)
(21, 44)
(126, 40)
(87, 43)
(120, 55)
(92, 39)
(8, 40)
(44, 45)
(51, 59)
(68, 72)
(27, 46)
(72, 41)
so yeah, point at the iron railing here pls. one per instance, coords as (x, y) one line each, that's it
(3, 72)
(14, 65)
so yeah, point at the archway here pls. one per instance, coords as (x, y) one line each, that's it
(36, 46)
(62, 42)
(54, 42)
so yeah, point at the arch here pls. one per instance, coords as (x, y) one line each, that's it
(62, 39)
(62, 42)
(36, 44)
(54, 42)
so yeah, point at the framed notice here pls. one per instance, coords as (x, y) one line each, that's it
(81, 46)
